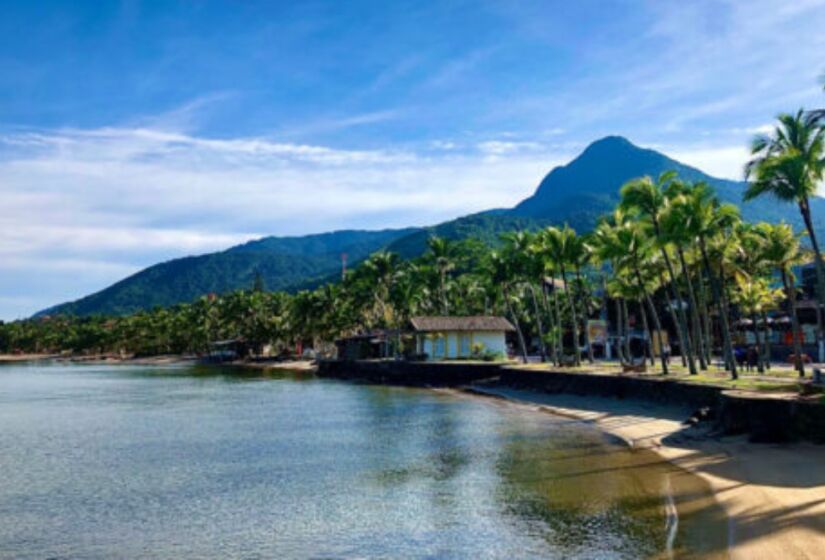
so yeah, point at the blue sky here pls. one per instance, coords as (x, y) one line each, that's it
(134, 132)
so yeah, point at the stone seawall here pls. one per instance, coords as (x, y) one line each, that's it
(765, 418)
(587, 384)
(415, 374)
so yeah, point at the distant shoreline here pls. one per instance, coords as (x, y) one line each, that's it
(164, 359)
(16, 358)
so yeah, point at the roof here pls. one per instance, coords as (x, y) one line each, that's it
(474, 323)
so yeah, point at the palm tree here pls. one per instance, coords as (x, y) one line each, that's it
(380, 271)
(562, 247)
(519, 246)
(647, 198)
(789, 165)
(705, 220)
(548, 267)
(624, 243)
(441, 255)
(673, 219)
(781, 249)
(755, 296)
(503, 274)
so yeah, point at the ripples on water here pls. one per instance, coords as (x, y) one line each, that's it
(179, 462)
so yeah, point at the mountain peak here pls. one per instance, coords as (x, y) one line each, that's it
(589, 185)
(610, 142)
(609, 146)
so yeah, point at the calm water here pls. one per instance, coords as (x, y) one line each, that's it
(179, 462)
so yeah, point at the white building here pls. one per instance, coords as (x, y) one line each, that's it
(443, 338)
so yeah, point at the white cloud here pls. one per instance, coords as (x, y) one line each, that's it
(500, 147)
(726, 162)
(90, 206)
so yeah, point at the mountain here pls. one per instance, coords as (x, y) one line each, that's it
(587, 187)
(576, 193)
(282, 262)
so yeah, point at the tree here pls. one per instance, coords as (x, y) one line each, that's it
(563, 248)
(441, 256)
(754, 296)
(788, 165)
(647, 199)
(624, 243)
(782, 251)
(674, 217)
(503, 273)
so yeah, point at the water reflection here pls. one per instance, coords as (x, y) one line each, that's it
(103, 461)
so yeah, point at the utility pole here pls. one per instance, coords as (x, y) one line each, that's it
(343, 265)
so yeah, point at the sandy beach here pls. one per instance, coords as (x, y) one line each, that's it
(289, 365)
(774, 495)
(13, 358)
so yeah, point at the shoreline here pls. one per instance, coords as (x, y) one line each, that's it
(773, 494)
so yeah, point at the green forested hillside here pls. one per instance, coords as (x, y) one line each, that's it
(281, 262)
(485, 227)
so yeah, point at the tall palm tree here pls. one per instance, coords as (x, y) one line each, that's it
(381, 272)
(781, 249)
(441, 255)
(647, 198)
(788, 165)
(705, 219)
(519, 246)
(624, 243)
(755, 296)
(503, 274)
(673, 219)
(561, 246)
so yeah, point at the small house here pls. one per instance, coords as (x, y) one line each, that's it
(443, 338)
(372, 345)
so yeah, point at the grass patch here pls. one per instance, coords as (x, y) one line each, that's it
(779, 379)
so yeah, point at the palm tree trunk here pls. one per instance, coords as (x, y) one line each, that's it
(574, 319)
(516, 323)
(619, 331)
(586, 317)
(557, 336)
(766, 350)
(542, 350)
(694, 312)
(805, 209)
(687, 349)
(710, 344)
(759, 367)
(442, 283)
(626, 341)
(790, 292)
(721, 303)
(677, 325)
(655, 316)
(551, 321)
(646, 325)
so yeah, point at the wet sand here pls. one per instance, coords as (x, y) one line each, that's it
(774, 495)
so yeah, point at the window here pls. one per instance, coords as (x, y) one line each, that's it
(439, 346)
(464, 346)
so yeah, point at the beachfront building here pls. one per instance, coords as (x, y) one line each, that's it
(375, 344)
(444, 338)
